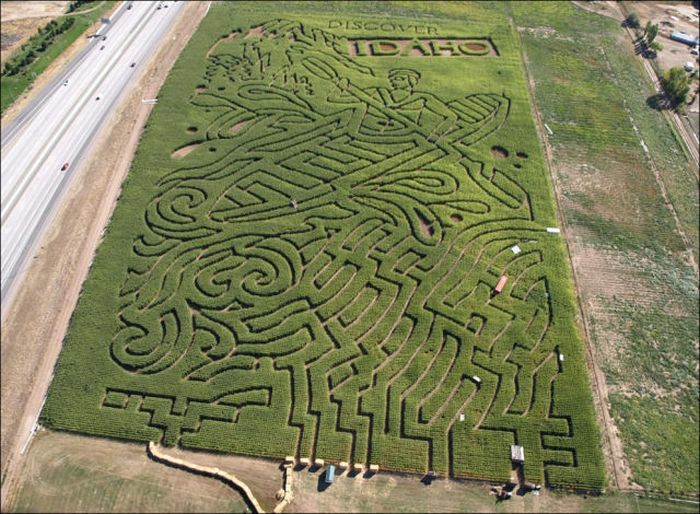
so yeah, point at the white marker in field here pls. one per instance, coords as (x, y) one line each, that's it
(516, 249)
(553, 230)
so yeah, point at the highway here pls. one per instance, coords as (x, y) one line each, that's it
(59, 125)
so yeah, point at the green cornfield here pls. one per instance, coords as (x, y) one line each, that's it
(305, 256)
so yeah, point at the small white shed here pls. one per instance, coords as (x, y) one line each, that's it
(517, 453)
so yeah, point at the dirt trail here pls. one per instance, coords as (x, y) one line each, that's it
(613, 453)
(36, 323)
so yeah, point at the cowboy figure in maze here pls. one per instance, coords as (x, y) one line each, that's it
(423, 109)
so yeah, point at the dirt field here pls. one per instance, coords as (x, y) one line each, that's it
(35, 324)
(670, 17)
(21, 19)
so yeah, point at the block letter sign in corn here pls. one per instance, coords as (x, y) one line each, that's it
(304, 257)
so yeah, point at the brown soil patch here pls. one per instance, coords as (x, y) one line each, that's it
(456, 218)
(185, 150)
(34, 325)
(425, 226)
(499, 152)
(11, 11)
(201, 89)
(230, 37)
(237, 127)
(255, 32)
(685, 13)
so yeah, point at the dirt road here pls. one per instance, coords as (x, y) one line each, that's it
(35, 325)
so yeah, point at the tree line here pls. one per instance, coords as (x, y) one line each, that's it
(39, 42)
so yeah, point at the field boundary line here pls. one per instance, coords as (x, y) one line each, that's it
(621, 480)
(155, 453)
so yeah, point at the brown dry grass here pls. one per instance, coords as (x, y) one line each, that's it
(64, 472)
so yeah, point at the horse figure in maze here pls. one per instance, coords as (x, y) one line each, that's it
(338, 260)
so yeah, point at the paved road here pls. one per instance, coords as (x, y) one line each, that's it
(59, 125)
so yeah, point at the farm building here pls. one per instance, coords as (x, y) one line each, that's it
(685, 38)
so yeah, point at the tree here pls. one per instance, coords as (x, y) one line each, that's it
(656, 46)
(652, 30)
(676, 83)
(632, 20)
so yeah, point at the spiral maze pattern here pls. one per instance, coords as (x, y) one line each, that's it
(326, 287)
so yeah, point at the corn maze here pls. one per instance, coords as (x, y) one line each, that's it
(304, 262)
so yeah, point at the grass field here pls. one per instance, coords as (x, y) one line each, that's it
(304, 256)
(68, 473)
(635, 276)
(12, 86)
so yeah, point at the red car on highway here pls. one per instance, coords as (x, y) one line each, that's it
(64, 167)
